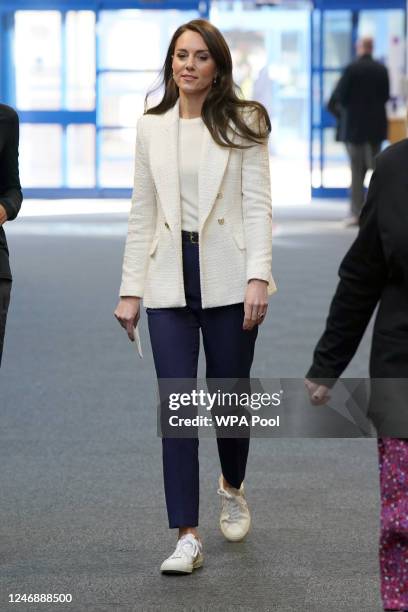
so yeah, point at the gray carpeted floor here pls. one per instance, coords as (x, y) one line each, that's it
(82, 505)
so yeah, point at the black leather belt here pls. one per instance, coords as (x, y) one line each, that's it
(189, 236)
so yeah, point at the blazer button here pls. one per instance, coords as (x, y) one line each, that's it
(219, 194)
(221, 221)
(167, 225)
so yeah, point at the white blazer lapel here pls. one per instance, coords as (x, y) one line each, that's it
(164, 165)
(213, 162)
(165, 169)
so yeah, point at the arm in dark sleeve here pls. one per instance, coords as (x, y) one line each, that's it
(363, 273)
(10, 188)
(333, 105)
(343, 87)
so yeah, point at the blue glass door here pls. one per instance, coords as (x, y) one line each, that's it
(77, 79)
(336, 25)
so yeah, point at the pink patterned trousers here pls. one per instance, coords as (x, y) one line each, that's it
(393, 462)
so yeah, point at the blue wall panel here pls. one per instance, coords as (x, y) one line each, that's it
(63, 117)
(72, 5)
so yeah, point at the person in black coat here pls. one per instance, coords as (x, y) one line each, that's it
(358, 103)
(375, 272)
(10, 202)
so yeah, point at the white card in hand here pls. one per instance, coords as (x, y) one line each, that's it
(137, 341)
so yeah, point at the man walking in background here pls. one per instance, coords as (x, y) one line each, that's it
(358, 103)
(10, 202)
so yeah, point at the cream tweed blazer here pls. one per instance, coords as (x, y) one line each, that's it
(235, 218)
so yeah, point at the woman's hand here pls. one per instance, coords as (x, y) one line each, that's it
(318, 394)
(255, 303)
(127, 313)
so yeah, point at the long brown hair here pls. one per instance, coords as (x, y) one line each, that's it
(222, 103)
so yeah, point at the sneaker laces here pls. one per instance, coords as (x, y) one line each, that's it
(187, 545)
(233, 504)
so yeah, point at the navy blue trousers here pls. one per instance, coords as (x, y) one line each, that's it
(229, 350)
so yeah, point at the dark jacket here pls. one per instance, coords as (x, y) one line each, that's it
(374, 271)
(358, 102)
(10, 188)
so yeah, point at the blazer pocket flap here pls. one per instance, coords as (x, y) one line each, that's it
(153, 245)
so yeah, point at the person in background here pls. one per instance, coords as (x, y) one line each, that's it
(375, 272)
(358, 103)
(10, 202)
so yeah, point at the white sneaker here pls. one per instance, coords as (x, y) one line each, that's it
(186, 558)
(235, 518)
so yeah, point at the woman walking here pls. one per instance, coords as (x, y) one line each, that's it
(198, 251)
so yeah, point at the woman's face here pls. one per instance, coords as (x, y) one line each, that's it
(192, 57)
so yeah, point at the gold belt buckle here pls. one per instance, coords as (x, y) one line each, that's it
(192, 238)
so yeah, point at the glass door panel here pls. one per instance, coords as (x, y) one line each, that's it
(271, 57)
(333, 36)
(55, 96)
(337, 34)
(122, 96)
(80, 60)
(387, 28)
(81, 156)
(38, 60)
(40, 156)
(132, 47)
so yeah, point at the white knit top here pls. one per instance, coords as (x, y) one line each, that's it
(189, 151)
